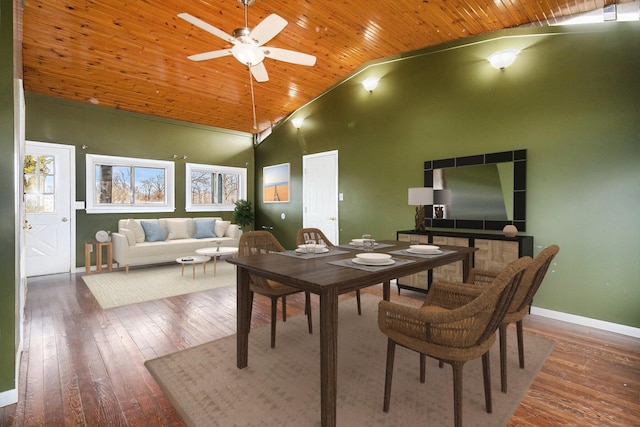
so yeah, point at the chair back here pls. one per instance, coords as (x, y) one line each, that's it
(316, 234)
(505, 285)
(483, 306)
(258, 242)
(532, 279)
(254, 243)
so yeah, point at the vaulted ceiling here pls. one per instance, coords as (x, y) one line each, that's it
(132, 55)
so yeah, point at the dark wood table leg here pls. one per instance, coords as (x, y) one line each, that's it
(244, 316)
(466, 267)
(328, 356)
(386, 290)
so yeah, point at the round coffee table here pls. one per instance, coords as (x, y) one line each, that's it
(217, 252)
(193, 260)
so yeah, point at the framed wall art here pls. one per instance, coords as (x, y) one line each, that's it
(275, 183)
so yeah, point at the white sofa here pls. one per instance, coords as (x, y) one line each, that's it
(153, 241)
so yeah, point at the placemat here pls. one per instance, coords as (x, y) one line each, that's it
(301, 255)
(351, 264)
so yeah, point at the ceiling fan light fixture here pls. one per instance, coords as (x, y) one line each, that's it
(502, 59)
(248, 54)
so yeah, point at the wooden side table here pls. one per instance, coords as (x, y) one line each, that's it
(87, 256)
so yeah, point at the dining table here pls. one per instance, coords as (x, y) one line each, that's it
(328, 275)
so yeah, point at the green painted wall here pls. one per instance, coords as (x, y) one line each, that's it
(7, 210)
(571, 99)
(119, 133)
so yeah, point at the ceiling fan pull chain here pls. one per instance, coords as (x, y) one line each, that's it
(253, 100)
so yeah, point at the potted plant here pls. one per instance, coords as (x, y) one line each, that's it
(243, 213)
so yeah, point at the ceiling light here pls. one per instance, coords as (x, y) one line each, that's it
(248, 54)
(502, 59)
(297, 122)
(371, 83)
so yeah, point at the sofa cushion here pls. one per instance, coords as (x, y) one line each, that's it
(220, 227)
(232, 230)
(204, 228)
(135, 226)
(178, 228)
(152, 231)
(131, 238)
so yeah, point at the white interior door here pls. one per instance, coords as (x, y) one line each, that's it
(47, 200)
(320, 193)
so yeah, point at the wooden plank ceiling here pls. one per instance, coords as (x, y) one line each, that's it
(132, 54)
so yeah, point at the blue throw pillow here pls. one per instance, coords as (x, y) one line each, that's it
(204, 228)
(152, 231)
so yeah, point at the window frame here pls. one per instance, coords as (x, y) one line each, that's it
(92, 160)
(213, 207)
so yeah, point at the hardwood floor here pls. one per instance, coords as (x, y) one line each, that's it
(84, 366)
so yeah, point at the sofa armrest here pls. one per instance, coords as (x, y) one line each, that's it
(120, 247)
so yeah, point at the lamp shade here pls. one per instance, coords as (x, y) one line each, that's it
(420, 196)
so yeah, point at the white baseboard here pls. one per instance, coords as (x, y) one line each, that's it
(586, 321)
(8, 397)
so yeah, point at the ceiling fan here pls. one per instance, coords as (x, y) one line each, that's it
(249, 44)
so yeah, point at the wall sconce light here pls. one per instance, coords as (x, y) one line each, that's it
(419, 197)
(502, 59)
(370, 83)
(297, 122)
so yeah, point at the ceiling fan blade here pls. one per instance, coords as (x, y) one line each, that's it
(210, 55)
(259, 72)
(289, 56)
(207, 27)
(268, 29)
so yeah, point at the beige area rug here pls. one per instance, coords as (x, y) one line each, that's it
(281, 386)
(146, 284)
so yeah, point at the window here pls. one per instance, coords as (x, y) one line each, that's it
(122, 184)
(214, 188)
(39, 184)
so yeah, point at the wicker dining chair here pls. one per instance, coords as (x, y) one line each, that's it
(253, 243)
(529, 285)
(456, 323)
(305, 234)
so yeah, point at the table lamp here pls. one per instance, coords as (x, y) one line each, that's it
(419, 197)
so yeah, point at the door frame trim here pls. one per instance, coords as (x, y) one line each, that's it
(71, 150)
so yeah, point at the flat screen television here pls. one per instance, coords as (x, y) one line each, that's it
(481, 192)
